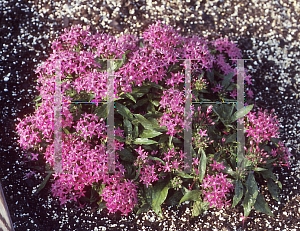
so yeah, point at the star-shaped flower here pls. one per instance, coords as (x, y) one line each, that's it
(34, 156)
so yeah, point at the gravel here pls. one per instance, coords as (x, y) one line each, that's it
(265, 31)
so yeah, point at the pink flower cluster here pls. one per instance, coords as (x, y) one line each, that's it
(148, 168)
(262, 128)
(256, 155)
(217, 187)
(120, 195)
(283, 153)
(173, 100)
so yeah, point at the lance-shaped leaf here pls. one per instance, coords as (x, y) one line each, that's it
(231, 138)
(129, 96)
(210, 76)
(219, 111)
(146, 123)
(144, 141)
(184, 175)
(137, 174)
(268, 174)
(156, 158)
(238, 193)
(193, 195)
(159, 195)
(128, 127)
(227, 169)
(250, 195)
(273, 189)
(199, 207)
(135, 132)
(141, 102)
(202, 165)
(124, 111)
(174, 199)
(144, 208)
(126, 155)
(241, 113)
(43, 184)
(262, 206)
(101, 111)
(259, 169)
(156, 126)
(227, 79)
(157, 86)
(150, 133)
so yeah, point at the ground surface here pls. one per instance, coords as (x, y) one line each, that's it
(266, 31)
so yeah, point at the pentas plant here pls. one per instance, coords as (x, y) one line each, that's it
(149, 95)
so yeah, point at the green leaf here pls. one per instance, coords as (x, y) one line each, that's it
(129, 96)
(146, 123)
(137, 174)
(227, 169)
(135, 132)
(157, 86)
(241, 113)
(119, 138)
(270, 161)
(142, 89)
(66, 131)
(202, 165)
(199, 207)
(231, 138)
(177, 141)
(126, 155)
(279, 184)
(231, 87)
(141, 102)
(258, 169)
(274, 140)
(193, 195)
(124, 111)
(219, 110)
(174, 198)
(102, 205)
(227, 79)
(142, 44)
(273, 189)
(159, 195)
(238, 193)
(143, 209)
(268, 174)
(262, 206)
(203, 91)
(250, 195)
(144, 141)
(43, 184)
(184, 175)
(150, 133)
(156, 158)
(210, 76)
(155, 103)
(156, 126)
(128, 127)
(101, 111)
(38, 98)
